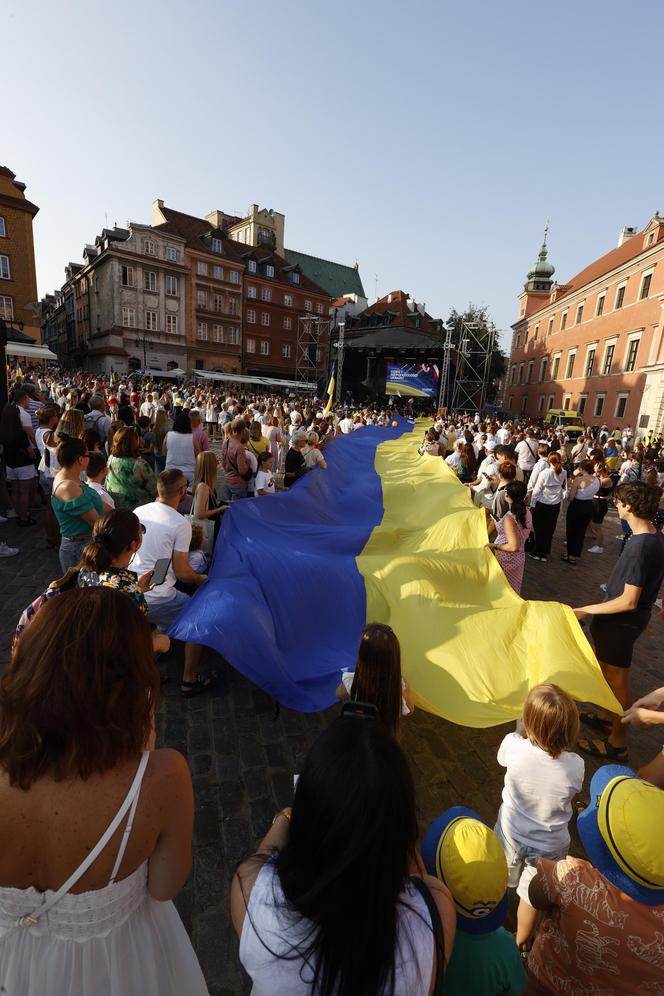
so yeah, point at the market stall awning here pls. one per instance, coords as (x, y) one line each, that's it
(263, 381)
(32, 352)
(178, 372)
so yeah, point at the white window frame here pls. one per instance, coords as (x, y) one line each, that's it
(308, 307)
(540, 403)
(251, 317)
(265, 347)
(202, 331)
(570, 364)
(524, 402)
(172, 253)
(218, 303)
(544, 366)
(592, 346)
(536, 332)
(252, 292)
(563, 320)
(251, 266)
(567, 402)
(217, 245)
(286, 351)
(555, 365)
(3, 227)
(644, 276)
(549, 327)
(266, 294)
(201, 268)
(269, 270)
(218, 333)
(233, 336)
(130, 272)
(234, 277)
(251, 345)
(202, 299)
(619, 398)
(600, 396)
(128, 317)
(218, 272)
(529, 371)
(7, 308)
(149, 280)
(149, 247)
(635, 337)
(319, 308)
(581, 407)
(172, 320)
(288, 322)
(601, 299)
(170, 279)
(607, 345)
(152, 321)
(265, 318)
(551, 398)
(621, 287)
(579, 308)
(288, 300)
(295, 278)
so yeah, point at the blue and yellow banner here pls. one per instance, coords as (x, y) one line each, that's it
(384, 535)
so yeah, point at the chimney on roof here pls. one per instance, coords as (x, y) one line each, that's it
(389, 299)
(626, 233)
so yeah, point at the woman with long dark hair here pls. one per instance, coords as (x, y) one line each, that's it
(327, 905)
(512, 532)
(19, 459)
(467, 466)
(95, 836)
(180, 447)
(77, 507)
(377, 676)
(583, 487)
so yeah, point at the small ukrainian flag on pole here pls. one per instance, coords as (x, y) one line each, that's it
(330, 389)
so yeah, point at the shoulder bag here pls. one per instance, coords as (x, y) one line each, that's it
(207, 525)
(437, 927)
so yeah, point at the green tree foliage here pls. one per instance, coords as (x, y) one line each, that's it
(479, 314)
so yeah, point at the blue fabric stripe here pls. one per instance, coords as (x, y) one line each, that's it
(285, 603)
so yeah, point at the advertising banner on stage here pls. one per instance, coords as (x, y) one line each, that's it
(412, 380)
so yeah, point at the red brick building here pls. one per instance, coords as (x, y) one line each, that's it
(596, 343)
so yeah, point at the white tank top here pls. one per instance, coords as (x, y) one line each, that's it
(267, 925)
(180, 453)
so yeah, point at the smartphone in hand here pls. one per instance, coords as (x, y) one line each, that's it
(160, 571)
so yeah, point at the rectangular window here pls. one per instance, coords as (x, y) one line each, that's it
(570, 365)
(529, 371)
(202, 331)
(149, 280)
(251, 266)
(251, 317)
(172, 253)
(151, 321)
(555, 367)
(608, 358)
(563, 321)
(521, 366)
(295, 277)
(600, 305)
(579, 314)
(621, 405)
(171, 285)
(510, 403)
(645, 290)
(7, 308)
(549, 328)
(128, 276)
(217, 333)
(149, 247)
(632, 351)
(265, 318)
(517, 341)
(3, 228)
(524, 402)
(129, 318)
(288, 322)
(536, 332)
(218, 302)
(201, 298)
(251, 345)
(307, 306)
(172, 324)
(201, 268)
(265, 347)
(233, 337)
(235, 276)
(552, 398)
(269, 270)
(216, 245)
(543, 365)
(218, 273)
(266, 294)
(599, 405)
(200, 364)
(288, 300)
(590, 362)
(251, 292)
(540, 403)
(581, 405)
(567, 402)
(233, 306)
(286, 351)
(319, 308)
(620, 297)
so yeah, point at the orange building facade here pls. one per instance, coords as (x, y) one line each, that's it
(596, 343)
(18, 280)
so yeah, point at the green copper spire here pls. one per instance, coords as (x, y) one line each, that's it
(539, 276)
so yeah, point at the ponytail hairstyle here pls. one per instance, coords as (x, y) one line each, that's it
(516, 491)
(70, 449)
(111, 536)
(555, 463)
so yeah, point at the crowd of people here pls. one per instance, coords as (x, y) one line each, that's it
(338, 899)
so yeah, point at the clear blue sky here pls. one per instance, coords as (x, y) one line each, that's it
(429, 139)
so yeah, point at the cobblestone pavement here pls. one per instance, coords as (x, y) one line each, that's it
(243, 759)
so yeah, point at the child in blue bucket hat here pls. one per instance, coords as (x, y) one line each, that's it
(462, 850)
(603, 931)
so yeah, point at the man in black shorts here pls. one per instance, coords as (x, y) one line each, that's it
(625, 612)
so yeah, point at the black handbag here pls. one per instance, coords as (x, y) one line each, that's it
(437, 927)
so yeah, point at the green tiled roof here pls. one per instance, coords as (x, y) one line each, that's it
(335, 278)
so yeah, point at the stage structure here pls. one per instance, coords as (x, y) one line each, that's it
(311, 332)
(475, 343)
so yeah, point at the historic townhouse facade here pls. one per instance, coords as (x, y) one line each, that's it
(595, 344)
(18, 280)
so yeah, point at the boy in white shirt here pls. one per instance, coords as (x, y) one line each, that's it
(264, 483)
(96, 475)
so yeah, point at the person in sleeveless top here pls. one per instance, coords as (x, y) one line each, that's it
(96, 825)
(336, 899)
(512, 532)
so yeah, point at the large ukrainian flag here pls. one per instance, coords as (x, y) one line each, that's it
(384, 535)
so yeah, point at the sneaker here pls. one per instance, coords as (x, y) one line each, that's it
(12, 514)
(544, 559)
(534, 556)
(602, 587)
(596, 549)
(8, 551)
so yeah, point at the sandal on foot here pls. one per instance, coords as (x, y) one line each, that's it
(603, 749)
(568, 560)
(597, 723)
(202, 683)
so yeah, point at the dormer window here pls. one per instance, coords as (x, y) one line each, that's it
(269, 270)
(217, 245)
(295, 277)
(251, 265)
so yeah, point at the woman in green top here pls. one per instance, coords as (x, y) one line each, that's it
(77, 507)
(131, 481)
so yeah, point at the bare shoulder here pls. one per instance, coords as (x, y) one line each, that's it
(166, 762)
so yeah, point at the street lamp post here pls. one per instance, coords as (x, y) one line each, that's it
(5, 323)
(146, 345)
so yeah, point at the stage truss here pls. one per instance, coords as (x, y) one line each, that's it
(311, 333)
(474, 350)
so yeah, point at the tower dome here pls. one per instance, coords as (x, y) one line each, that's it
(539, 276)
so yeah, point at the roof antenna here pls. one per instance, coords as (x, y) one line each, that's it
(376, 286)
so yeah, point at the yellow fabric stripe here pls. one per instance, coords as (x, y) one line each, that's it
(471, 647)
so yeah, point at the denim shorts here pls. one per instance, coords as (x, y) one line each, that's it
(521, 863)
(164, 613)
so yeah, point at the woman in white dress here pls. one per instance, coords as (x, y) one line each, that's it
(96, 825)
(180, 447)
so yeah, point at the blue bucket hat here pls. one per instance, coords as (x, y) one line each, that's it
(461, 849)
(621, 831)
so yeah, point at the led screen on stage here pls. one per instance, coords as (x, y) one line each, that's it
(412, 380)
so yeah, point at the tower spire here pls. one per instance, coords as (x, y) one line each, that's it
(539, 276)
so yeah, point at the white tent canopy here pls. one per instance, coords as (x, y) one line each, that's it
(262, 381)
(178, 372)
(36, 352)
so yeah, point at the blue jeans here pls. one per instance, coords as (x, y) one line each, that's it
(164, 613)
(71, 551)
(236, 493)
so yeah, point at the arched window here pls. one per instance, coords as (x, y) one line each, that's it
(134, 363)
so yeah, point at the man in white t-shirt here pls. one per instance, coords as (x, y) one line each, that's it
(346, 424)
(503, 435)
(22, 401)
(149, 407)
(167, 535)
(487, 470)
(526, 453)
